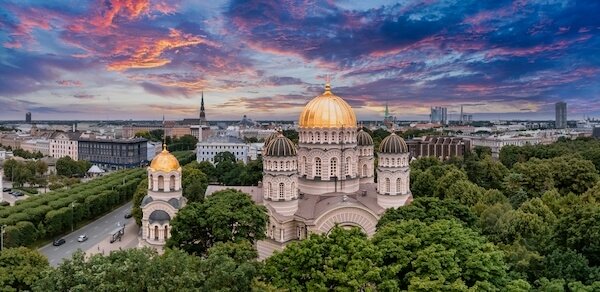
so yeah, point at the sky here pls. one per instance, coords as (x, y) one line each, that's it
(142, 59)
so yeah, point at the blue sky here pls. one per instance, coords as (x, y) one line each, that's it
(140, 59)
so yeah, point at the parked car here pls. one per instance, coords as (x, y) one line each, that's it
(17, 194)
(58, 242)
(6, 189)
(82, 238)
(128, 215)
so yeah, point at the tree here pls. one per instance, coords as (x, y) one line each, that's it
(138, 196)
(224, 156)
(20, 268)
(194, 183)
(579, 230)
(208, 169)
(443, 255)
(227, 215)
(344, 260)
(230, 266)
(429, 209)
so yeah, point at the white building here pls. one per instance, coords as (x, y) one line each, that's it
(37, 145)
(328, 179)
(163, 201)
(153, 149)
(497, 142)
(206, 151)
(64, 144)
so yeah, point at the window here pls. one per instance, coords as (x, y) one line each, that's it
(166, 232)
(364, 170)
(318, 137)
(293, 191)
(387, 185)
(347, 166)
(287, 165)
(333, 167)
(155, 232)
(281, 191)
(398, 186)
(317, 166)
(304, 164)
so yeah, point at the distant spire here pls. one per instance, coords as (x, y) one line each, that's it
(202, 113)
(387, 111)
(164, 134)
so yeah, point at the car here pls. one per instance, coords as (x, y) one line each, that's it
(128, 215)
(58, 242)
(82, 238)
(17, 194)
(6, 189)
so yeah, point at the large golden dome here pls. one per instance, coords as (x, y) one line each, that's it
(327, 111)
(164, 162)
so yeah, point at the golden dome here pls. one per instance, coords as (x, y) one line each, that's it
(164, 162)
(327, 111)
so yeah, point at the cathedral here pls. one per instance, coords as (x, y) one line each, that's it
(163, 200)
(328, 179)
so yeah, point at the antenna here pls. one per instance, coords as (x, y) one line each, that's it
(164, 134)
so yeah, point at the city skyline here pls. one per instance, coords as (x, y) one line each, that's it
(136, 59)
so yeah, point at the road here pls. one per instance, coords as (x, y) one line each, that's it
(96, 231)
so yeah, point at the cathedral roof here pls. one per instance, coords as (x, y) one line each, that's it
(271, 138)
(159, 215)
(327, 111)
(280, 147)
(393, 144)
(363, 138)
(164, 162)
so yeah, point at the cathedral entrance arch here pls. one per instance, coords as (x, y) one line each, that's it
(347, 217)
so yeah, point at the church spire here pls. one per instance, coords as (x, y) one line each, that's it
(202, 113)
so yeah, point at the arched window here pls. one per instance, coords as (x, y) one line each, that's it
(393, 162)
(294, 191)
(333, 167)
(155, 232)
(387, 185)
(317, 166)
(280, 165)
(281, 191)
(398, 186)
(268, 190)
(333, 137)
(347, 166)
(304, 165)
(312, 138)
(387, 162)
(161, 183)
(166, 232)
(172, 183)
(272, 191)
(364, 170)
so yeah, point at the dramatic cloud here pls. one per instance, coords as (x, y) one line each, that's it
(267, 58)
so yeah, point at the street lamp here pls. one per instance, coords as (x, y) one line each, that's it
(2, 237)
(72, 206)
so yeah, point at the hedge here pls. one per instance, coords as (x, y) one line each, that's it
(49, 215)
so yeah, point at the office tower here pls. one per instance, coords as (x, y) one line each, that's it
(28, 117)
(439, 115)
(561, 115)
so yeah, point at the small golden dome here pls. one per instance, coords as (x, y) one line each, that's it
(327, 111)
(164, 162)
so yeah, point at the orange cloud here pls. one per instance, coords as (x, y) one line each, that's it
(149, 55)
(128, 8)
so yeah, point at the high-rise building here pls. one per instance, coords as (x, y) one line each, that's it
(561, 115)
(439, 115)
(28, 117)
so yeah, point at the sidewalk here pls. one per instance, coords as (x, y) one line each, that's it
(129, 240)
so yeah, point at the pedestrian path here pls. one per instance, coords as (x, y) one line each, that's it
(129, 240)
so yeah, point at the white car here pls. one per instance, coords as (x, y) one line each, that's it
(82, 238)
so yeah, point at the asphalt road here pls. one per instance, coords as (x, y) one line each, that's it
(96, 232)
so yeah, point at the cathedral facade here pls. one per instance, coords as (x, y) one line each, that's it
(328, 179)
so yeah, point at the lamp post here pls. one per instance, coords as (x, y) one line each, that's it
(2, 237)
(72, 206)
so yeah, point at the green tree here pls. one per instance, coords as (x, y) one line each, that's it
(227, 215)
(429, 209)
(343, 260)
(194, 183)
(579, 229)
(20, 268)
(438, 256)
(140, 192)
